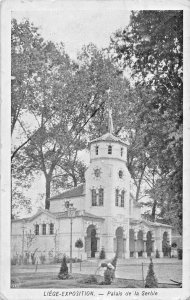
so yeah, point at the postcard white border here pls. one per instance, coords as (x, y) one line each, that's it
(15, 5)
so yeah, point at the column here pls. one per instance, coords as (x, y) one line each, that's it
(169, 237)
(159, 241)
(127, 252)
(40, 229)
(135, 239)
(108, 245)
(87, 246)
(144, 250)
(97, 254)
(153, 248)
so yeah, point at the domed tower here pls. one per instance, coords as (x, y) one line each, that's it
(107, 185)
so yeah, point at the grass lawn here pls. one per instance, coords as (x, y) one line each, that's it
(38, 280)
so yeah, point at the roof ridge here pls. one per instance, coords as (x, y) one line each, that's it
(107, 136)
(81, 185)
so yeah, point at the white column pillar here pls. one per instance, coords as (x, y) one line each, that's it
(144, 251)
(97, 254)
(170, 237)
(109, 247)
(159, 243)
(153, 253)
(135, 239)
(144, 244)
(40, 229)
(127, 252)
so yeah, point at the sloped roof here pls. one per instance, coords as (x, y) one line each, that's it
(74, 192)
(108, 137)
(149, 223)
(39, 212)
(86, 214)
(77, 214)
(59, 215)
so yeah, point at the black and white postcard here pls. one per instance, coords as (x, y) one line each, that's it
(95, 150)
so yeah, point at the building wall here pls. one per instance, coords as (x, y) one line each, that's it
(109, 165)
(59, 204)
(113, 217)
(103, 150)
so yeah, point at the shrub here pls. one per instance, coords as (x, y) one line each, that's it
(151, 280)
(174, 245)
(63, 273)
(90, 279)
(74, 260)
(108, 275)
(102, 254)
(157, 254)
(104, 265)
(79, 244)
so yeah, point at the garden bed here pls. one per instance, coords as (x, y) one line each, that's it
(49, 280)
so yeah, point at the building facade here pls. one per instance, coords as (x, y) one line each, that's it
(104, 215)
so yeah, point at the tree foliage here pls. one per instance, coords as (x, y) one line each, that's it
(58, 105)
(62, 104)
(63, 273)
(151, 280)
(151, 48)
(79, 244)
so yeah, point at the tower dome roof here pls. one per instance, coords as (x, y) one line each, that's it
(109, 137)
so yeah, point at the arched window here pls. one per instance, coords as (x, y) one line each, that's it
(94, 197)
(122, 198)
(101, 197)
(96, 149)
(44, 229)
(116, 197)
(120, 174)
(121, 151)
(36, 229)
(109, 149)
(51, 228)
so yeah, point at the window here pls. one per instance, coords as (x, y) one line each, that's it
(44, 229)
(101, 197)
(121, 151)
(51, 228)
(96, 150)
(36, 229)
(120, 174)
(122, 198)
(109, 149)
(117, 197)
(94, 197)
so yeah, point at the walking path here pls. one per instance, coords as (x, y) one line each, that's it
(165, 269)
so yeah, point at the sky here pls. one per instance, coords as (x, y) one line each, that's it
(75, 28)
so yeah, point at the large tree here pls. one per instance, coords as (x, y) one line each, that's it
(151, 50)
(54, 105)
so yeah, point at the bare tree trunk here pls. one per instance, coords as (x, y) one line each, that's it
(48, 186)
(138, 191)
(153, 214)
